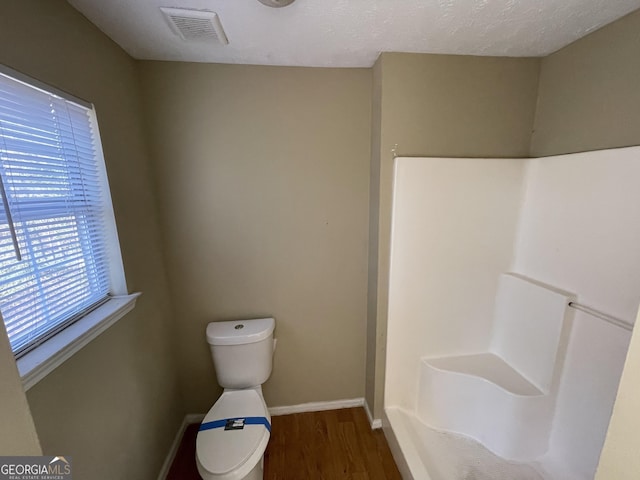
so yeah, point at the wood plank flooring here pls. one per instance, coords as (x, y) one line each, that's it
(329, 445)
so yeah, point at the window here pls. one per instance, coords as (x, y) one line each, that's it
(59, 255)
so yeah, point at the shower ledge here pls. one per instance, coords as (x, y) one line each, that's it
(489, 367)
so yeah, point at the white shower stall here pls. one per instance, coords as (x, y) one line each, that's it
(514, 284)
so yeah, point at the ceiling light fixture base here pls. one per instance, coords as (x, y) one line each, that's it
(276, 3)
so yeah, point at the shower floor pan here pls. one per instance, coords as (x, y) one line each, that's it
(424, 453)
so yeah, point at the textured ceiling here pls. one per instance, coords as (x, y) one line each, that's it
(351, 33)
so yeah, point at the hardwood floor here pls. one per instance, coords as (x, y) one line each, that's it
(184, 463)
(334, 444)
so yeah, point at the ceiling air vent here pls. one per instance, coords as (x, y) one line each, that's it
(195, 24)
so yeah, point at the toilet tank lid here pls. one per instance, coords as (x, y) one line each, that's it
(239, 332)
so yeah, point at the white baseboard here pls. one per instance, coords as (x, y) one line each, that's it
(316, 406)
(186, 421)
(374, 422)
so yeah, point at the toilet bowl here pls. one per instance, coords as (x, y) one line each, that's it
(230, 445)
(234, 434)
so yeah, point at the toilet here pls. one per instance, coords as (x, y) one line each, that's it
(234, 434)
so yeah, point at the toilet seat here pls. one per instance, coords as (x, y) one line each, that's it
(229, 454)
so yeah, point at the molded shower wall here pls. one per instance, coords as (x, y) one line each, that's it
(569, 221)
(454, 231)
(579, 230)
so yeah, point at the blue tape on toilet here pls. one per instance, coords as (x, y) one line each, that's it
(247, 421)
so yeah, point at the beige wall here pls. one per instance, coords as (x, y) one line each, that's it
(375, 366)
(589, 96)
(19, 435)
(263, 174)
(115, 406)
(441, 105)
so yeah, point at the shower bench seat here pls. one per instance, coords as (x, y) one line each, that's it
(485, 398)
(503, 397)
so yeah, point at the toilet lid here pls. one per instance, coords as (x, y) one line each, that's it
(221, 450)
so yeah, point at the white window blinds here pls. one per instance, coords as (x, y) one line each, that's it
(53, 260)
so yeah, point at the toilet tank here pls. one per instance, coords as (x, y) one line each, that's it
(242, 351)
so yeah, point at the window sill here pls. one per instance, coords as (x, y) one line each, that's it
(41, 361)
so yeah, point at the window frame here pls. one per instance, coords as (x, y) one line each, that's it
(42, 359)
